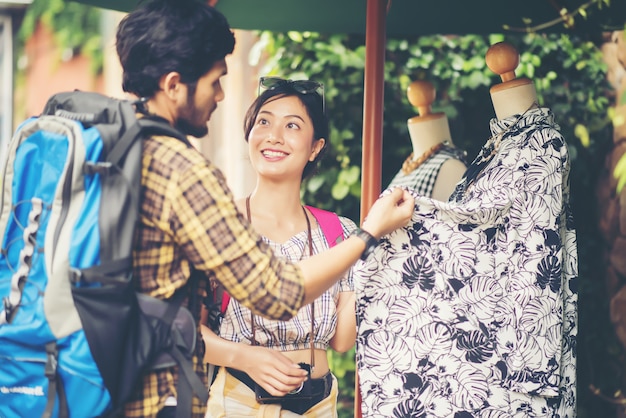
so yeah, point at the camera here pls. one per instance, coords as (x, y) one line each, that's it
(301, 393)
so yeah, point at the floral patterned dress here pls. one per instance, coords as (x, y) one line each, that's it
(471, 310)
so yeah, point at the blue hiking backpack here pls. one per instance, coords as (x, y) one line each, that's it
(75, 336)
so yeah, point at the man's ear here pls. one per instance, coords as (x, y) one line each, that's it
(170, 85)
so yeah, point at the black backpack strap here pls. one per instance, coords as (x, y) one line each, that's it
(102, 273)
(174, 304)
(55, 385)
(143, 126)
(188, 383)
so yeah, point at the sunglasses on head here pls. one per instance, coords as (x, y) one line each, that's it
(300, 86)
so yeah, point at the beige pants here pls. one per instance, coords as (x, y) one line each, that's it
(230, 398)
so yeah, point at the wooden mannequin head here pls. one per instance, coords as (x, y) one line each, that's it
(513, 95)
(428, 128)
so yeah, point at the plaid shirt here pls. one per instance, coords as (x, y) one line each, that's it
(189, 218)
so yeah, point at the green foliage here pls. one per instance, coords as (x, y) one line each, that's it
(76, 28)
(570, 78)
(344, 368)
(620, 173)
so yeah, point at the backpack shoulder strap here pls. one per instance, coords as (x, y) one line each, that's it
(225, 298)
(330, 224)
(216, 302)
(145, 126)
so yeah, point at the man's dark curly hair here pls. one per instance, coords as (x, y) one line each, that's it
(162, 36)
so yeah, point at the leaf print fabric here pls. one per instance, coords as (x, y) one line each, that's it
(471, 310)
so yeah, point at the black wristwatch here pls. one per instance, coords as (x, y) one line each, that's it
(370, 242)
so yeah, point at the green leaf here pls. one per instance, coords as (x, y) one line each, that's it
(295, 36)
(355, 190)
(582, 133)
(352, 175)
(314, 183)
(620, 168)
(618, 119)
(620, 183)
(340, 190)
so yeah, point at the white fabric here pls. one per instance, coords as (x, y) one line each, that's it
(471, 310)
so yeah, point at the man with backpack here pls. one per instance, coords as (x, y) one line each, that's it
(173, 56)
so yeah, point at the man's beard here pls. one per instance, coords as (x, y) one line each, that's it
(187, 128)
(189, 113)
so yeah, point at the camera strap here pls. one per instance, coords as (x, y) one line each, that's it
(310, 242)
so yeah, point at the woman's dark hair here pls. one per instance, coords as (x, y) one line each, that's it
(313, 103)
(162, 36)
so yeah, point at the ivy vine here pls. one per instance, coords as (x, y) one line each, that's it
(569, 17)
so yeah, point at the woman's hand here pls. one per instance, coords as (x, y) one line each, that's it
(389, 212)
(271, 370)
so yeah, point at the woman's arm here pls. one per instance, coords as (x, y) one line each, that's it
(218, 240)
(345, 333)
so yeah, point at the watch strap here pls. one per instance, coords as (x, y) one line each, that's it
(370, 242)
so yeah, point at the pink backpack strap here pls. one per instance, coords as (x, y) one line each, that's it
(330, 224)
(225, 300)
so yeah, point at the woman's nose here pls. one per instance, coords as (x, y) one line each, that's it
(274, 136)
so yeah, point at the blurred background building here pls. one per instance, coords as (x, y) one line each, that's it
(11, 13)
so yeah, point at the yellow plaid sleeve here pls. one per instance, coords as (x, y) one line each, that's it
(217, 240)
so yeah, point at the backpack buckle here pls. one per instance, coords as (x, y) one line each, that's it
(8, 310)
(76, 275)
(103, 168)
(51, 360)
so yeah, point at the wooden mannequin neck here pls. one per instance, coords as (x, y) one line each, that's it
(513, 97)
(427, 131)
